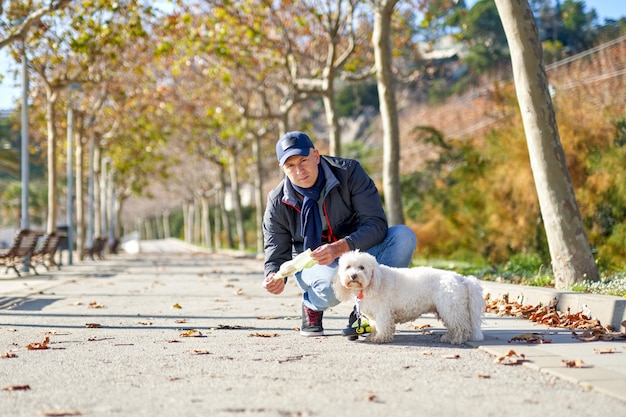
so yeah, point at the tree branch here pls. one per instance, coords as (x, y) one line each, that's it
(30, 20)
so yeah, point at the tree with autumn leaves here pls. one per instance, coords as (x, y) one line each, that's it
(209, 77)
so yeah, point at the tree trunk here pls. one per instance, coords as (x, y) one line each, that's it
(258, 194)
(97, 165)
(166, 224)
(80, 195)
(334, 132)
(236, 200)
(206, 222)
(381, 40)
(52, 161)
(224, 214)
(572, 260)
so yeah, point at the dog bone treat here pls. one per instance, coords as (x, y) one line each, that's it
(298, 263)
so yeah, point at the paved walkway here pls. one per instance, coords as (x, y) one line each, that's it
(174, 331)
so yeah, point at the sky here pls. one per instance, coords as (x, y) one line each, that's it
(10, 92)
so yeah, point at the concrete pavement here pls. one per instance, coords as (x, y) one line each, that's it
(177, 331)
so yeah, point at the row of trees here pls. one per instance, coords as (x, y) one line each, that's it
(209, 83)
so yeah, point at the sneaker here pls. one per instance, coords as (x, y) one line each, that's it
(311, 322)
(349, 330)
(356, 327)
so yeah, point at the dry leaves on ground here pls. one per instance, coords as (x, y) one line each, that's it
(263, 335)
(510, 358)
(549, 315)
(191, 333)
(62, 413)
(95, 304)
(451, 356)
(39, 345)
(530, 338)
(604, 351)
(573, 363)
(7, 355)
(200, 352)
(16, 388)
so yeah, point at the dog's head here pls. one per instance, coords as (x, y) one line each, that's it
(357, 271)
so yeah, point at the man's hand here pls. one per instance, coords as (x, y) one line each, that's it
(326, 254)
(273, 286)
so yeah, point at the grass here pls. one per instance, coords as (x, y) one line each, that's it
(525, 270)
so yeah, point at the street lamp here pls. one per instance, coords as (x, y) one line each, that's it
(70, 173)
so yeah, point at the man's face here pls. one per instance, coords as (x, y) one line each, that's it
(303, 170)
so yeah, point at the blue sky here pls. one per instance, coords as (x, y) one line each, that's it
(9, 92)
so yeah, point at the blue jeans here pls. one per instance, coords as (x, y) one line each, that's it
(316, 282)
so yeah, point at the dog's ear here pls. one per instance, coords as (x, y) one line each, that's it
(376, 277)
(342, 293)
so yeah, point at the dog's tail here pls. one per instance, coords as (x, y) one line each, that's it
(477, 307)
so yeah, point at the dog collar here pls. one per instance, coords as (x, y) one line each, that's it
(360, 294)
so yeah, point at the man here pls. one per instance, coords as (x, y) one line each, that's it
(331, 206)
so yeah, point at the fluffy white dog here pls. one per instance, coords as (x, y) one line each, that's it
(398, 295)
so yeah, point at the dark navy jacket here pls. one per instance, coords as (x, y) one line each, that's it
(351, 206)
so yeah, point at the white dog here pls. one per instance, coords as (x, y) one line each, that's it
(398, 295)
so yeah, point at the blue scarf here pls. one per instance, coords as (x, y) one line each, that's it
(310, 215)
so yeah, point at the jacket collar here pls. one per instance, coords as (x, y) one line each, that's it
(290, 196)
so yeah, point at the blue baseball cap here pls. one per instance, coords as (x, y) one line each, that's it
(292, 143)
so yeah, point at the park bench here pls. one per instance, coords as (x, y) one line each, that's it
(96, 249)
(45, 252)
(22, 249)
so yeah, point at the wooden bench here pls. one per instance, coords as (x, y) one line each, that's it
(21, 250)
(96, 249)
(44, 253)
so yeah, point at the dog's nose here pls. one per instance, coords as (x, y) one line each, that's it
(353, 277)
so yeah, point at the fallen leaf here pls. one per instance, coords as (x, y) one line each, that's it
(145, 323)
(95, 304)
(39, 345)
(263, 335)
(176, 306)
(290, 359)
(239, 291)
(530, 338)
(181, 321)
(200, 352)
(7, 355)
(16, 388)
(191, 333)
(423, 326)
(229, 327)
(451, 356)
(61, 413)
(483, 376)
(268, 318)
(510, 358)
(573, 363)
(603, 351)
(92, 325)
(96, 339)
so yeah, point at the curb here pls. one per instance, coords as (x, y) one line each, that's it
(609, 310)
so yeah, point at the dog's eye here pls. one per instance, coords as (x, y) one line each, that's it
(360, 267)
